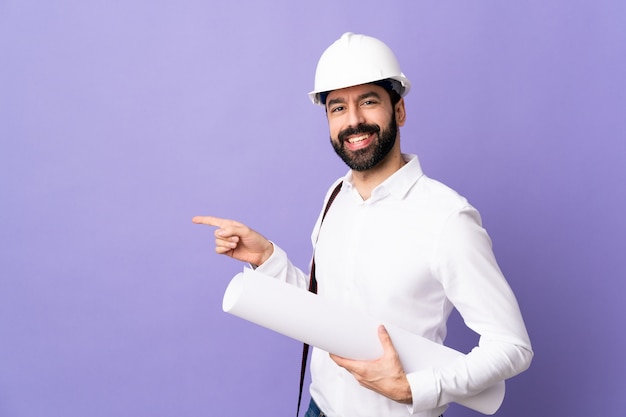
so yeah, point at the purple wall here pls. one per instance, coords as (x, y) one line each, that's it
(119, 121)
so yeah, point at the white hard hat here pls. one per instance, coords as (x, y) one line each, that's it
(353, 60)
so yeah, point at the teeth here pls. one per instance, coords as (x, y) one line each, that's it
(357, 139)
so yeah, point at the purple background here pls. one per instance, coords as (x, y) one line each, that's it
(120, 120)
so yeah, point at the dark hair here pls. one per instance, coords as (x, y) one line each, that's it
(393, 87)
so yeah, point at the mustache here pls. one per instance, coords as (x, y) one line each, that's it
(358, 130)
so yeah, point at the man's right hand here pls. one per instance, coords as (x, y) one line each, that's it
(237, 240)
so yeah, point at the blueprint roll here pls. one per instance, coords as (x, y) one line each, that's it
(337, 329)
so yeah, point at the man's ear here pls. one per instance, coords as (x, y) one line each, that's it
(400, 113)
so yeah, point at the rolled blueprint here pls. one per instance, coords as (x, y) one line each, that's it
(334, 328)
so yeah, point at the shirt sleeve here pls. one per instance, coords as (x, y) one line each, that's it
(465, 265)
(280, 267)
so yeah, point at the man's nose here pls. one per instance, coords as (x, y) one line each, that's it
(355, 116)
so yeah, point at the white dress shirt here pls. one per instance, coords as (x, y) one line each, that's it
(408, 255)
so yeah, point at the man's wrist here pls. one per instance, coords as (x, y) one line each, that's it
(269, 251)
(405, 395)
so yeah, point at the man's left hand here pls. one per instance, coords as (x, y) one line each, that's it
(384, 375)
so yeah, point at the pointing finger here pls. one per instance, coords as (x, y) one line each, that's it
(226, 229)
(213, 221)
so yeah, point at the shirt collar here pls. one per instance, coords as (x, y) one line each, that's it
(398, 184)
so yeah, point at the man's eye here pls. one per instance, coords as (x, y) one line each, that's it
(337, 109)
(369, 102)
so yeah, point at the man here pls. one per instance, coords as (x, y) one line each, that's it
(394, 244)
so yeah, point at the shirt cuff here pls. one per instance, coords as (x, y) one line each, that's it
(275, 264)
(424, 390)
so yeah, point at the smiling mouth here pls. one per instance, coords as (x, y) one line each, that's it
(357, 139)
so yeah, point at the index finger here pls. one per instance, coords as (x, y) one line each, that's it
(213, 221)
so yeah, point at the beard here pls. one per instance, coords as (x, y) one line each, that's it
(364, 159)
